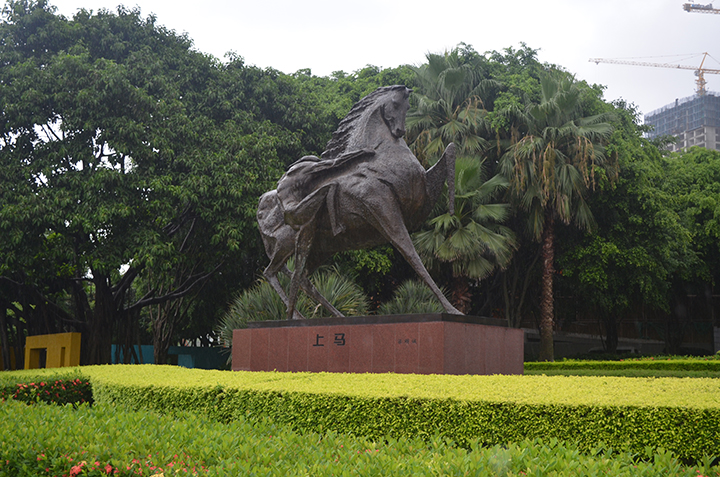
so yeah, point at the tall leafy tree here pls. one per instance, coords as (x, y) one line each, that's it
(624, 269)
(551, 165)
(692, 179)
(121, 155)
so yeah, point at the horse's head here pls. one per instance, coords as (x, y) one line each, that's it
(394, 108)
(388, 102)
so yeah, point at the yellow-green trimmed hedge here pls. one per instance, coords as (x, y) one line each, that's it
(681, 415)
(551, 390)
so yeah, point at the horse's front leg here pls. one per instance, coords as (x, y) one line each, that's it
(387, 219)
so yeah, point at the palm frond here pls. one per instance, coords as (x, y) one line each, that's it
(492, 212)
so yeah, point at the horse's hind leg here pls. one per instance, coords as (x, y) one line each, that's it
(313, 292)
(272, 279)
(304, 239)
(279, 248)
(277, 263)
(303, 244)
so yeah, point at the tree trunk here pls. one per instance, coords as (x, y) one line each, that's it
(19, 341)
(547, 311)
(162, 332)
(611, 333)
(169, 314)
(514, 292)
(461, 295)
(100, 329)
(4, 342)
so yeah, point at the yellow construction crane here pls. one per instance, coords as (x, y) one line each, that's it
(700, 72)
(696, 7)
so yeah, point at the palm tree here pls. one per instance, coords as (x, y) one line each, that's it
(470, 240)
(448, 106)
(551, 164)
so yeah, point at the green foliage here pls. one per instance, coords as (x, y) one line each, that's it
(411, 296)
(341, 291)
(98, 441)
(552, 163)
(449, 105)
(126, 162)
(628, 373)
(472, 239)
(145, 443)
(655, 242)
(692, 179)
(259, 303)
(374, 260)
(640, 241)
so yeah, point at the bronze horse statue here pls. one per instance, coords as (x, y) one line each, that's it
(366, 189)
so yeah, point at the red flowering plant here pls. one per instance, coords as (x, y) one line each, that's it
(84, 464)
(61, 391)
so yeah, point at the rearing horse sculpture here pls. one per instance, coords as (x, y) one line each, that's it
(366, 189)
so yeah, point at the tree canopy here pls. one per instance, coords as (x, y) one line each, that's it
(128, 158)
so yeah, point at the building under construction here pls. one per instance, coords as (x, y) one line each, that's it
(694, 120)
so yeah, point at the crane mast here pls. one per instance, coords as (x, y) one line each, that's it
(699, 71)
(696, 7)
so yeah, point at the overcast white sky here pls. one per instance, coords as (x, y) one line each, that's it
(331, 35)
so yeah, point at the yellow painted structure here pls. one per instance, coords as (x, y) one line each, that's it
(61, 349)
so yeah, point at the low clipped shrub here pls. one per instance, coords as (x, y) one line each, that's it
(651, 363)
(637, 416)
(114, 440)
(628, 414)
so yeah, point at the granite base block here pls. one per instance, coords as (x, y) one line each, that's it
(419, 344)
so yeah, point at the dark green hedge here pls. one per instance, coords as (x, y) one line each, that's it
(689, 433)
(649, 364)
(109, 440)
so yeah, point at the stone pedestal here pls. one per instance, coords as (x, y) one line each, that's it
(421, 344)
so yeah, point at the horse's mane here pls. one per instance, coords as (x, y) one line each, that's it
(340, 138)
